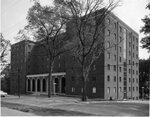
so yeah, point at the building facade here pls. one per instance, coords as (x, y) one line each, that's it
(114, 75)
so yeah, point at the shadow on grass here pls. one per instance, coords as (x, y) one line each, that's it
(43, 111)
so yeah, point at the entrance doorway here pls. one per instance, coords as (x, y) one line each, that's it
(56, 85)
(63, 84)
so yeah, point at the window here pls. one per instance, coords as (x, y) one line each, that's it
(137, 48)
(133, 38)
(129, 71)
(108, 21)
(108, 32)
(115, 36)
(120, 79)
(129, 44)
(115, 47)
(120, 39)
(73, 89)
(137, 56)
(136, 40)
(114, 89)
(72, 78)
(120, 58)
(136, 80)
(129, 88)
(114, 78)
(93, 78)
(136, 64)
(136, 88)
(94, 67)
(133, 80)
(108, 90)
(136, 72)
(94, 90)
(133, 88)
(120, 69)
(108, 44)
(119, 89)
(108, 66)
(115, 25)
(120, 29)
(133, 71)
(129, 62)
(108, 55)
(133, 46)
(120, 49)
(129, 79)
(129, 53)
(133, 55)
(114, 67)
(108, 78)
(115, 57)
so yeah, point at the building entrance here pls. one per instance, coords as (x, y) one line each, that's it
(59, 85)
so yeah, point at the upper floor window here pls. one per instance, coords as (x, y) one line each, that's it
(120, 49)
(108, 21)
(115, 25)
(114, 67)
(108, 44)
(120, 79)
(119, 89)
(120, 28)
(137, 40)
(93, 78)
(120, 69)
(115, 36)
(108, 78)
(108, 32)
(108, 66)
(114, 78)
(133, 38)
(115, 57)
(133, 46)
(120, 58)
(108, 55)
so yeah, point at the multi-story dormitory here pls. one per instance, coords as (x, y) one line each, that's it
(114, 75)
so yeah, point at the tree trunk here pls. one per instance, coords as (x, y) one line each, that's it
(50, 78)
(84, 97)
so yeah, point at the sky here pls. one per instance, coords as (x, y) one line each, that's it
(14, 12)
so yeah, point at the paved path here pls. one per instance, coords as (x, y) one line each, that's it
(11, 112)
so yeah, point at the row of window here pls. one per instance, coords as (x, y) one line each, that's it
(120, 89)
(121, 30)
(120, 38)
(120, 58)
(120, 79)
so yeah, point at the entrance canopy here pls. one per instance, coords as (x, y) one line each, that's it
(46, 74)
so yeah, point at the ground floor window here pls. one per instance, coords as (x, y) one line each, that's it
(94, 90)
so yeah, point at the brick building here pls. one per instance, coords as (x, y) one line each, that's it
(115, 74)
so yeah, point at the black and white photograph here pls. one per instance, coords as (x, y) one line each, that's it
(75, 58)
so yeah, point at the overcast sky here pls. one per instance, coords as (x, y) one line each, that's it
(14, 12)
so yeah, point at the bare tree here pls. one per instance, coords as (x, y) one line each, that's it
(48, 28)
(87, 25)
(4, 45)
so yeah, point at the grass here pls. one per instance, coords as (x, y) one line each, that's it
(42, 111)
